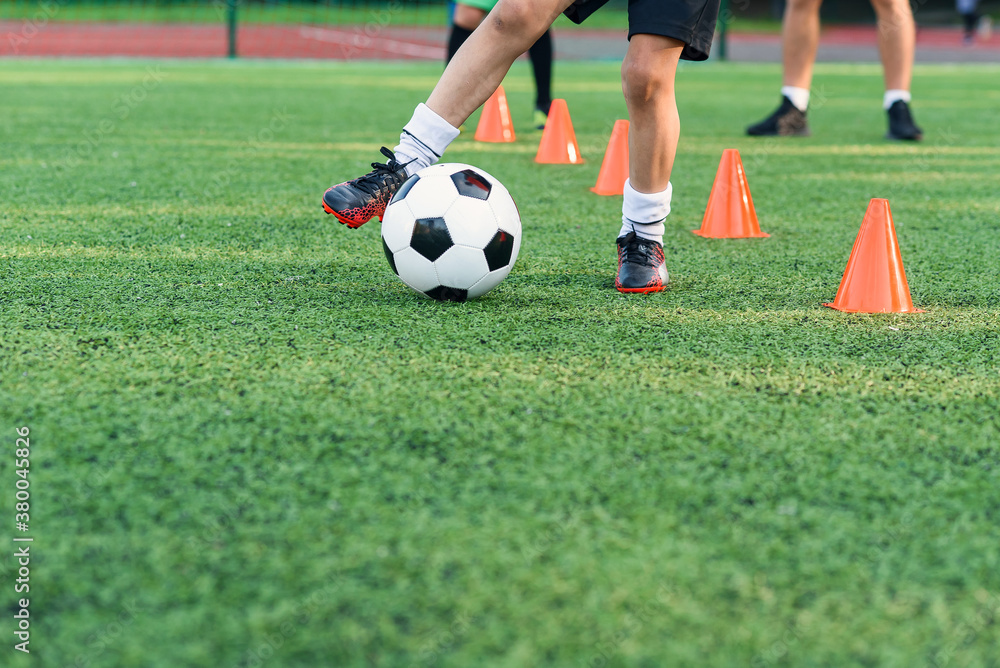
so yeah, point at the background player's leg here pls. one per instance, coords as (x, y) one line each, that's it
(481, 63)
(799, 41)
(541, 66)
(896, 39)
(463, 23)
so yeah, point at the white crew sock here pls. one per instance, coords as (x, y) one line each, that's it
(894, 94)
(423, 139)
(798, 96)
(645, 213)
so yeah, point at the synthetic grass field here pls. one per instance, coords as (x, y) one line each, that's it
(251, 445)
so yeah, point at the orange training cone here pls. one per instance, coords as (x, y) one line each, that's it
(494, 123)
(558, 144)
(614, 169)
(730, 213)
(874, 281)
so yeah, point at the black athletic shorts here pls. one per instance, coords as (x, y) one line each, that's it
(690, 21)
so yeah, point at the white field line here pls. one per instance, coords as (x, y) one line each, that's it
(391, 45)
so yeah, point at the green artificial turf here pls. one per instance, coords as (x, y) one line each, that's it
(252, 445)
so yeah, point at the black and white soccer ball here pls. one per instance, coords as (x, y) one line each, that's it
(451, 232)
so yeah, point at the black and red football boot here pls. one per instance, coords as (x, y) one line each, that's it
(641, 265)
(357, 201)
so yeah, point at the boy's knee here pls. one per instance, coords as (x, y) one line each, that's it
(644, 78)
(517, 18)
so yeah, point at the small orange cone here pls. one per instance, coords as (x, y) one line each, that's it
(730, 213)
(614, 168)
(558, 145)
(494, 123)
(874, 281)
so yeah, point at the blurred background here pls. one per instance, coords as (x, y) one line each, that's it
(416, 29)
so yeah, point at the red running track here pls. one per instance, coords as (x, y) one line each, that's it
(351, 42)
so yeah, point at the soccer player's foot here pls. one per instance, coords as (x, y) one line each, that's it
(901, 125)
(641, 265)
(538, 119)
(786, 121)
(357, 201)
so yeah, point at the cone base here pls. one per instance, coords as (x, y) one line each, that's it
(706, 235)
(601, 191)
(857, 310)
(578, 161)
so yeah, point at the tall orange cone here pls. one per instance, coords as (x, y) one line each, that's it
(614, 168)
(494, 122)
(874, 281)
(558, 145)
(730, 213)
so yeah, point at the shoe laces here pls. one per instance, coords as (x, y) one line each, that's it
(636, 250)
(901, 111)
(382, 176)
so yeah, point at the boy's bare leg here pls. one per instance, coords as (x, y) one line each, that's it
(483, 61)
(468, 81)
(654, 127)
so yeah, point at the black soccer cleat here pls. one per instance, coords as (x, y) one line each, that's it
(356, 202)
(786, 121)
(641, 265)
(901, 125)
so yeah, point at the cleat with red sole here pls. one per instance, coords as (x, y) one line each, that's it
(641, 265)
(357, 201)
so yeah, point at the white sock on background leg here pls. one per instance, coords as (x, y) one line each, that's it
(424, 139)
(798, 96)
(645, 213)
(894, 94)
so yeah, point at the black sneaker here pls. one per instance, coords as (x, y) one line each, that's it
(356, 202)
(641, 265)
(786, 121)
(901, 125)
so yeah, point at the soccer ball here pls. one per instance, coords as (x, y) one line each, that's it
(451, 232)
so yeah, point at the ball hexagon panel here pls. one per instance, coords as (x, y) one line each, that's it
(461, 267)
(471, 183)
(430, 196)
(471, 222)
(431, 237)
(416, 270)
(397, 227)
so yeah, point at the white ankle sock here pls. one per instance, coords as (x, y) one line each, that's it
(424, 139)
(645, 213)
(798, 96)
(894, 94)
